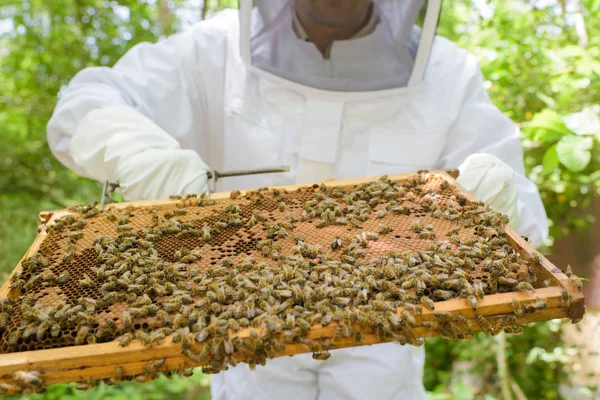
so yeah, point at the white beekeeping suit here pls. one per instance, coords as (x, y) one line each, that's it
(245, 90)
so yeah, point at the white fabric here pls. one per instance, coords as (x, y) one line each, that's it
(493, 182)
(196, 86)
(385, 371)
(118, 144)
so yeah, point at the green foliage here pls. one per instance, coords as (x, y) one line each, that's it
(535, 360)
(565, 164)
(540, 72)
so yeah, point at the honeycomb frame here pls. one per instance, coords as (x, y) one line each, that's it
(98, 361)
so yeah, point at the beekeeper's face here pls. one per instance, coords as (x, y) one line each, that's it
(335, 13)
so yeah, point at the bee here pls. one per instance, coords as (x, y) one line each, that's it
(341, 221)
(226, 262)
(507, 281)
(400, 210)
(87, 282)
(322, 223)
(157, 336)
(370, 236)
(337, 243)
(517, 307)
(3, 321)
(17, 283)
(124, 228)
(14, 337)
(321, 355)
(486, 265)
(536, 257)
(575, 280)
(429, 324)
(143, 337)
(426, 235)
(540, 304)
(91, 213)
(125, 339)
(461, 319)
(382, 213)
(525, 287)
(478, 289)
(27, 378)
(513, 329)
(232, 209)
(569, 271)
(43, 329)
(190, 258)
(234, 194)
(55, 330)
(566, 298)
(281, 233)
(427, 302)
(68, 256)
(145, 244)
(106, 330)
(443, 316)
(348, 259)
(484, 323)
(252, 221)
(383, 229)
(311, 251)
(547, 282)
(74, 236)
(472, 300)
(82, 335)
(444, 294)
(6, 304)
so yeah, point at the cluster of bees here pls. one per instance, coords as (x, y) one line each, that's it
(248, 308)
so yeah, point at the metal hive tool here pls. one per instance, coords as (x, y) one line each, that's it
(236, 243)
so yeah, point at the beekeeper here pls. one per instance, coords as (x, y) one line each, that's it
(335, 89)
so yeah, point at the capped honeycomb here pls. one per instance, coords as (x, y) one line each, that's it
(273, 259)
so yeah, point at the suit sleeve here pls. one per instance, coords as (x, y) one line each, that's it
(158, 80)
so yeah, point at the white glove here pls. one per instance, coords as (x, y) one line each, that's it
(493, 182)
(119, 144)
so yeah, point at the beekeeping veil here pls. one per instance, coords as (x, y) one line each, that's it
(393, 56)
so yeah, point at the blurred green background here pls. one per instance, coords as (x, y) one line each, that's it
(541, 59)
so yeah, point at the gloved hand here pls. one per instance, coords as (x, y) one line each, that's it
(493, 182)
(119, 144)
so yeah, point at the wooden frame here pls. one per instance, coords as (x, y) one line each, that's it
(98, 361)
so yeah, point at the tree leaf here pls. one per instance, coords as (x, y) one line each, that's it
(548, 120)
(574, 152)
(544, 135)
(550, 160)
(549, 101)
(585, 122)
(462, 391)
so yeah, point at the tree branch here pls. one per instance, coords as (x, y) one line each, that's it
(580, 27)
(205, 8)
(502, 367)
